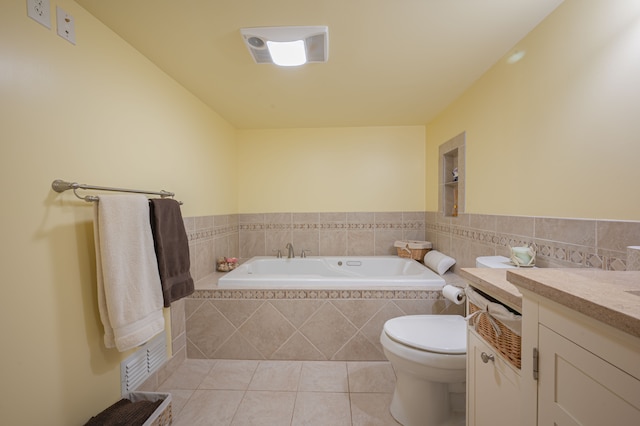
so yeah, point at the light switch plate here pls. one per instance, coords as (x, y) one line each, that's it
(40, 11)
(66, 25)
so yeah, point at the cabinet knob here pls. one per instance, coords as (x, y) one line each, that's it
(486, 358)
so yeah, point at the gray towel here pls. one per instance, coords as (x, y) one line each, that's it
(172, 249)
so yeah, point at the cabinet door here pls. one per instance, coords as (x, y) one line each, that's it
(577, 387)
(493, 387)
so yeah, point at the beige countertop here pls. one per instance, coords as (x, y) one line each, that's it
(494, 283)
(607, 296)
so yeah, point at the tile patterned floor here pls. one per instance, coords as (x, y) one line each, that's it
(273, 393)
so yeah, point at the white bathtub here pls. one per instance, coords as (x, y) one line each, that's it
(346, 272)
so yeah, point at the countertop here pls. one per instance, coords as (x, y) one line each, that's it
(494, 283)
(607, 296)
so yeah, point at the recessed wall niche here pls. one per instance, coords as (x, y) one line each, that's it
(451, 188)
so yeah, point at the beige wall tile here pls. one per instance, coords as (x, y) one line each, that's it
(332, 243)
(328, 330)
(617, 236)
(236, 347)
(573, 231)
(515, 225)
(266, 317)
(359, 348)
(299, 348)
(360, 242)
(296, 311)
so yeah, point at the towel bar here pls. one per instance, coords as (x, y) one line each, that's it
(59, 185)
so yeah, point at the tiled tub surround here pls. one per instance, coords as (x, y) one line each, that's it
(562, 243)
(327, 234)
(210, 237)
(322, 234)
(299, 324)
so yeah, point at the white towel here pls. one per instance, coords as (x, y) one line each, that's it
(129, 289)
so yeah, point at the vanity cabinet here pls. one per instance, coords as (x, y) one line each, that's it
(493, 386)
(580, 350)
(588, 372)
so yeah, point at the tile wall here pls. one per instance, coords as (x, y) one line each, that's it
(561, 243)
(327, 234)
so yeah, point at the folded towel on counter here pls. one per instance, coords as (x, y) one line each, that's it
(172, 249)
(129, 291)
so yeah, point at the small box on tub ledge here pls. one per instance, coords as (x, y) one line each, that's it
(412, 249)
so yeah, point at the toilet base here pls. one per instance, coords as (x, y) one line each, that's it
(422, 403)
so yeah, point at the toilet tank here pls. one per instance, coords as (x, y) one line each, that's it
(493, 262)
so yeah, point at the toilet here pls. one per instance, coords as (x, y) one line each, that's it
(429, 356)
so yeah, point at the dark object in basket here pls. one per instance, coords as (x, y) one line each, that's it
(125, 413)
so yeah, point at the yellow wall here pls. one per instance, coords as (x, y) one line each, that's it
(555, 134)
(331, 169)
(97, 113)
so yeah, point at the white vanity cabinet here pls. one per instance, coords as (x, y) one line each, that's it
(588, 372)
(580, 350)
(493, 386)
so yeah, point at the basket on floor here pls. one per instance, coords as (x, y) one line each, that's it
(507, 343)
(412, 249)
(162, 416)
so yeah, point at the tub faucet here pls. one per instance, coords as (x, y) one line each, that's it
(290, 248)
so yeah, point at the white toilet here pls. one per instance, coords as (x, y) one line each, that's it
(429, 355)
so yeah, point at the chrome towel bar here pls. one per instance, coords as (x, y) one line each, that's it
(59, 185)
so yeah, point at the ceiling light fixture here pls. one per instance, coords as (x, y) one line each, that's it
(515, 56)
(287, 46)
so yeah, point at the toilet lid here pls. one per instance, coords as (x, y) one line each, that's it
(445, 334)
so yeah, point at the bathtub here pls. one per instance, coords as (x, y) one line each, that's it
(337, 272)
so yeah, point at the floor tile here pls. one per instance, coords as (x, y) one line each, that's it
(209, 407)
(287, 393)
(230, 374)
(320, 376)
(371, 409)
(371, 377)
(189, 375)
(179, 398)
(276, 376)
(260, 408)
(322, 409)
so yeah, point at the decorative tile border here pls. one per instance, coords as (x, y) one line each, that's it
(412, 225)
(216, 231)
(319, 294)
(555, 251)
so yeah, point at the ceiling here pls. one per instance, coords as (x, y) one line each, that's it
(391, 62)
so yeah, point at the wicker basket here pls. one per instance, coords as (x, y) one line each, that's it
(507, 343)
(412, 249)
(163, 415)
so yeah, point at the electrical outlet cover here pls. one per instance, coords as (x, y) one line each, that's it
(66, 25)
(40, 11)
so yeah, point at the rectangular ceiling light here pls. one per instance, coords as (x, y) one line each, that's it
(267, 45)
(287, 53)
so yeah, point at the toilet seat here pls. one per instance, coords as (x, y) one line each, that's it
(445, 334)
